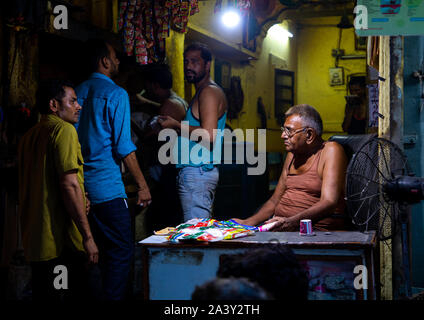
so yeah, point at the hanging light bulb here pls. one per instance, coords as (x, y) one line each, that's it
(230, 18)
(278, 32)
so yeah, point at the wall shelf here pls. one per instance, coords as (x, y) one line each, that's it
(220, 47)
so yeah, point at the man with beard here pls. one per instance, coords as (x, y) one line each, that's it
(105, 137)
(205, 119)
(53, 207)
(312, 180)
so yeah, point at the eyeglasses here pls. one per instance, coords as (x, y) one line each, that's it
(290, 133)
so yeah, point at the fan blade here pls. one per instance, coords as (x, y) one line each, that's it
(381, 173)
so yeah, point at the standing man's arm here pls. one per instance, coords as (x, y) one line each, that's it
(76, 207)
(143, 193)
(209, 101)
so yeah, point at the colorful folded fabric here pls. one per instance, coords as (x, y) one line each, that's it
(209, 230)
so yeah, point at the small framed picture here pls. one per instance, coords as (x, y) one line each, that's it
(336, 76)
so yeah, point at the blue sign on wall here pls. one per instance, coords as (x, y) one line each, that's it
(389, 17)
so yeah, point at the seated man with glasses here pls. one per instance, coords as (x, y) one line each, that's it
(311, 185)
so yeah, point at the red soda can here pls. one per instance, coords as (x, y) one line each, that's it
(306, 227)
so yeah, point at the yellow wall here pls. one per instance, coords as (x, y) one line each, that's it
(275, 54)
(257, 80)
(308, 54)
(314, 44)
(257, 77)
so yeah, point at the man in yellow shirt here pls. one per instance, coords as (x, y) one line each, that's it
(52, 203)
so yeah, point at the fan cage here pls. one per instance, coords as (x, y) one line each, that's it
(377, 162)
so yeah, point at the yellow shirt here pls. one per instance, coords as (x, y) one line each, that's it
(46, 152)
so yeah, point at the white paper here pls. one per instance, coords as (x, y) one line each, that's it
(154, 239)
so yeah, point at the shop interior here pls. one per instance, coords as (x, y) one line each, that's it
(272, 55)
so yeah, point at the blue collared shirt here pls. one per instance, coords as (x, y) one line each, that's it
(105, 136)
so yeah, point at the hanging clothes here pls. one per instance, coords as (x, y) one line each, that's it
(243, 6)
(145, 24)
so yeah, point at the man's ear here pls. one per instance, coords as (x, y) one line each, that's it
(310, 135)
(105, 62)
(208, 66)
(53, 105)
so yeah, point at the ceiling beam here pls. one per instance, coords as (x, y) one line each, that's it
(307, 14)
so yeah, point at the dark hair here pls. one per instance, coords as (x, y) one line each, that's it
(159, 73)
(358, 80)
(274, 267)
(309, 115)
(230, 289)
(96, 49)
(48, 90)
(205, 53)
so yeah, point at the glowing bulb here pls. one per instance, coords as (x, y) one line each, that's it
(277, 31)
(231, 19)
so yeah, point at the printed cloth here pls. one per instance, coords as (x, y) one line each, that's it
(210, 230)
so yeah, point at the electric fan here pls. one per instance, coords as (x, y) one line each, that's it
(379, 188)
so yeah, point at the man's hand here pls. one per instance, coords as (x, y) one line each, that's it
(143, 197)
(168, 122)
(284, 224)
(240, 221)
(143, 193)
(91, 251)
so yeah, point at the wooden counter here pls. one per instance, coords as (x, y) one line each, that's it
(171, 271)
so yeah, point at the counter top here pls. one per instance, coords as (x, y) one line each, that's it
(321, 239)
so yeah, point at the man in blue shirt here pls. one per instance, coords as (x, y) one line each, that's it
(105, 138)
